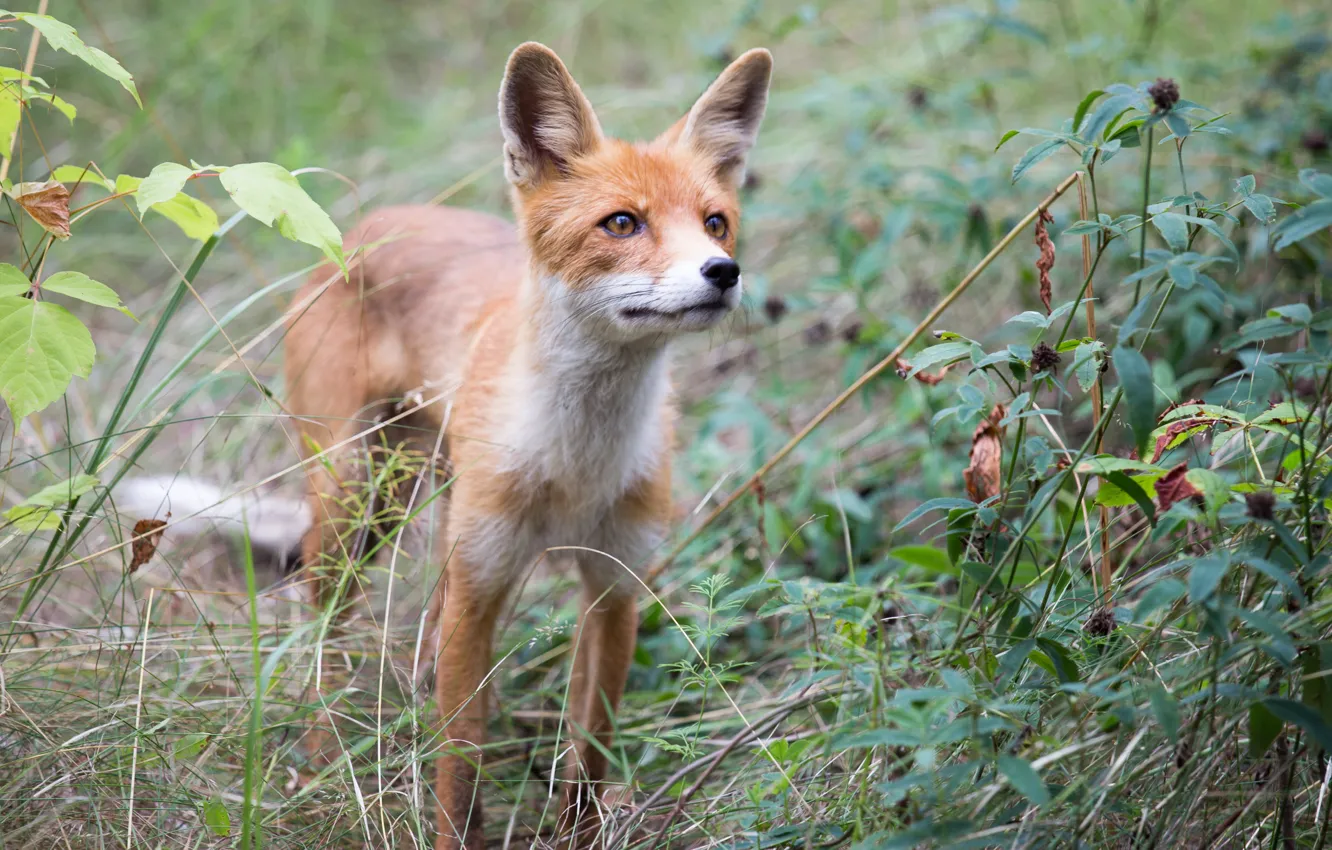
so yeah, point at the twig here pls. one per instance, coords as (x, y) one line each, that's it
(874, 371)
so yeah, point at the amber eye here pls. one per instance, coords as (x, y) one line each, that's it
(715, 225)
(620, 224)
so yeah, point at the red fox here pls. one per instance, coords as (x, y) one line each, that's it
(555, 336)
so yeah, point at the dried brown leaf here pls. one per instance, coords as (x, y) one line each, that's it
(1175, 487)
(47, 203)
(904, 369)
(1178, 427)
(984, 475)
(1046, 260)
(147, 536)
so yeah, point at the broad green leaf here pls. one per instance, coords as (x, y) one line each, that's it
(1130, 488)
(59, 104)
(1178, 124)
(1206, 575)
(1166, 710)
(927, 557)
(80, 286)
(1246, 185)
(1106, 112)
(195, 218)
(270, 193)
(13, 281)
(1303, 223)
(217, 819)
(1024, 779)
(1135, 376)
(163, 183)
(1087, 362)
(42, 348)
(36, 513)
(939, 355)
(1174, 229)
(1261, 207)
(1318, 182)
(1056, 655)
(1083, 106)
(1157, 596)
(1213, 487)
(11, 110)
(1264, 726)
(190, 745)
(62, 36)
(73, 175)
(943, 503)
(1302, 716)
(1035, 154)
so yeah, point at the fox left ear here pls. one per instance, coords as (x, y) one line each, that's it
(723, 125)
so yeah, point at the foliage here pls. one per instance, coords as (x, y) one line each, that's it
(1060, 583)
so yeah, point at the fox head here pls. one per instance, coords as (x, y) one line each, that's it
(630, 240)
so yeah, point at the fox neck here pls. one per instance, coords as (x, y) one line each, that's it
(589, 409)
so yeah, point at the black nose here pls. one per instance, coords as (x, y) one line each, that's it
(721, 272)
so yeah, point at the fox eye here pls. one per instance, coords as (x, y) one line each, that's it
(715, 225)
(620, 224)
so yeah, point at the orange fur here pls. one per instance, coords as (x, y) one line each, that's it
(546, 347)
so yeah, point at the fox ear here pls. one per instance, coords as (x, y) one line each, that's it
(724, 123)
(546, 120)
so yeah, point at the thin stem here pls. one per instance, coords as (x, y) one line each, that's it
(1146, 195)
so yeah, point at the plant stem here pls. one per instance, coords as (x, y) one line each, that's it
(1146, 195)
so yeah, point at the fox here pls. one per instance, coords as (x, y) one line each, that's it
(552, 338)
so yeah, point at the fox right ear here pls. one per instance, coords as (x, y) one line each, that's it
(546, 120)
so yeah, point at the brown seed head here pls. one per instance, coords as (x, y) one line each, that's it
(1260, 504)
(1044, 358)
(1164, 93)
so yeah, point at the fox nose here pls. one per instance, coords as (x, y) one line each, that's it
(721, 272)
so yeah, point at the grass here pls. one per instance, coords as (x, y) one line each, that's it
(812, 670)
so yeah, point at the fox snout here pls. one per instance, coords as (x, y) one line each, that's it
(721, 272)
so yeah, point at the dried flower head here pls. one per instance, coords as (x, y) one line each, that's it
(1260, 504)
(1164, 93)
(1044, 358)
(1100, 623)
(774, 307)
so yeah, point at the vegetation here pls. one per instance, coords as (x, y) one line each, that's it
(1050, 571)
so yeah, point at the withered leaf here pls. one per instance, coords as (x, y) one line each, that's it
(904, 369)
(1180, 427)
(147, 535)
(1175, 487)
(1046, 260)
(985, 473)
(47, 203)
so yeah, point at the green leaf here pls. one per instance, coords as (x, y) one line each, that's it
(1108, 110)
(80, 286)
(42, 348)
(1087, 362)
(59, 104)
(1302, 716)
(942, 503)
(13, 281)
(11, 111)
(79, 175)
(926, 557)
(163, 183)
(1010, 134)
(1304, 222)
(217, 819)
(1134, 491)
(1178, 124)
(190, 745)
(270, 193)
(1246, 184)
(1135, 376)
(1205, 576)
(36, 513)
(941, 354)
(1083, 106)
(1166, 710)
(1035, 154)
(195, 218)
(1024, 778)
(1264, 726)
(62, 36)
(1318, 182)
(1064, 665)
(1174, 229)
